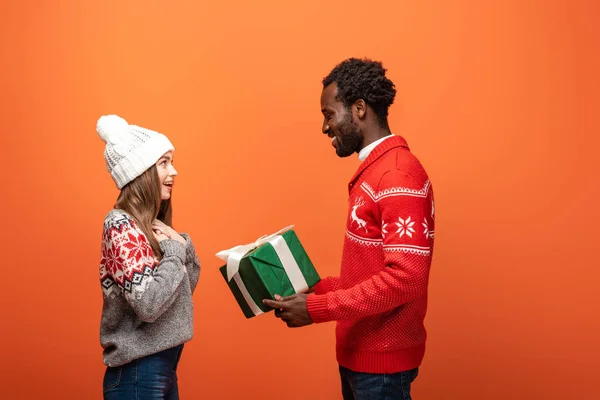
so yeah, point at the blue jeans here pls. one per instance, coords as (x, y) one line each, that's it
(364, 386)
(150, 377)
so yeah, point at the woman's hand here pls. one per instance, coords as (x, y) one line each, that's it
(163, 231)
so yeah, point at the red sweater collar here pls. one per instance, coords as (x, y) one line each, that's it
(380, 150)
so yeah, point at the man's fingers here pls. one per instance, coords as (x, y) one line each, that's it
(275, 304)
(288, 298)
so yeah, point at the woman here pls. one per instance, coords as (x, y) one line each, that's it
(148, 271)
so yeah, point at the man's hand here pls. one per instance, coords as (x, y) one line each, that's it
(292, 309)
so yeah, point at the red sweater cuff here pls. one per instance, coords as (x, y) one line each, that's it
(317, 308)
(323, 286)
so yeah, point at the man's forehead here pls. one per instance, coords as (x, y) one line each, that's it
(331, 89)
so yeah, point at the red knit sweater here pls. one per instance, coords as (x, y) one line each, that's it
(380, 298)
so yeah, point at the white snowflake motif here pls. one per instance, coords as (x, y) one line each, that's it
(405, 227)
(383, 228)
(426, 226)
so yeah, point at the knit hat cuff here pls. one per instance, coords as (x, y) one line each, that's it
(139, 159)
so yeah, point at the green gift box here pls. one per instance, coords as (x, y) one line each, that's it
(274, 264)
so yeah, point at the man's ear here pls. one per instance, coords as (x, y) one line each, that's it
(360, 109)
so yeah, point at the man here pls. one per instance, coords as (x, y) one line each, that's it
(380, 298)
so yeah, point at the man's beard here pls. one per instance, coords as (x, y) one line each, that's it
(350, 140)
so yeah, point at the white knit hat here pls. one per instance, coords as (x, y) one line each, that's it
(130, 150)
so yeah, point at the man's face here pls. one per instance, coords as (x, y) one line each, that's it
(339, 123)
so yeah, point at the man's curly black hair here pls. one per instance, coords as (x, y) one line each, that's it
(363, 79)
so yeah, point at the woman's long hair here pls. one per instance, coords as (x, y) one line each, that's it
(141, 198)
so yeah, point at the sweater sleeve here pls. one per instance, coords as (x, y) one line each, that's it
(327, 285)
(149, 288)
(192, 263)
(407, 231)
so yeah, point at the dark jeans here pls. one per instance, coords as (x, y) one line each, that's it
(150, 377)
(363, 386)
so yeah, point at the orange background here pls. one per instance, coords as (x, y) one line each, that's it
(498, 99)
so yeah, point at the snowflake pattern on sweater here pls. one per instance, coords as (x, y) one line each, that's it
(127, 258)
(400, 231)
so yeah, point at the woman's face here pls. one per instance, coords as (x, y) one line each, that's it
(166, 175)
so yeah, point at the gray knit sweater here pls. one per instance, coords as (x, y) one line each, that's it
(147, 304)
